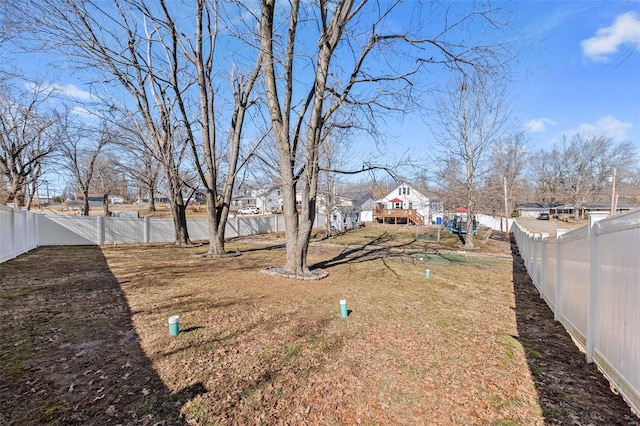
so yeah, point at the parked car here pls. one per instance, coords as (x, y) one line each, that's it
(543, 216)
(249, 210)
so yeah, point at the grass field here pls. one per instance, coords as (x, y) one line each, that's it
(85, 338)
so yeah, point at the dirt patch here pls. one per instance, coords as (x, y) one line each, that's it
(86, 341)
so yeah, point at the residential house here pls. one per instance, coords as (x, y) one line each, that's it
(365, 203)
(403, 205)
(350, 210)
(606, 207)
(567, 211)
(95, 200)
(534, 209)
(345, 217)
(268, 200)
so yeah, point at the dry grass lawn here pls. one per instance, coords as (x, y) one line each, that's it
(85, 338)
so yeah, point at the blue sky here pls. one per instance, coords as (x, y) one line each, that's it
(578, 70)
(582, 71)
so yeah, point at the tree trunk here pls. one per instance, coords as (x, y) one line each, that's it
(468, 240)
(295, 259)
(217, 221)
(179, 214)
(85, 208)
(105, 205)
(151, 203)
(16, 194)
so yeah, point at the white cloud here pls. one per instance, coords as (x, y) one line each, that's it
(82, 112)
(607, 125)
(625, 29)
(73, 91)
(538, 125)
(70, 90)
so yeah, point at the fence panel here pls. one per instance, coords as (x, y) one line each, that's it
(6, 234)
(124, 230)
(574, 290)
(616, 347)
(161, 231)
(595, 299)
(68, 230)
(549, 273)
(20, 233)
(198, 229)
(495, 222)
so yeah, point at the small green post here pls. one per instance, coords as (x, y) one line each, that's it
(427, 273)
(343, 308)
(174, 325)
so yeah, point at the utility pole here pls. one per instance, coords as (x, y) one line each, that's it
(506, 205)
(613, 193)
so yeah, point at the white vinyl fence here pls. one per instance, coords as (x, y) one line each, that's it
(495, 222)
(590, 277)
(21, 231)
(18, 232)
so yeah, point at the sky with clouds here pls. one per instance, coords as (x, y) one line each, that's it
(579, 70)
(582, 72)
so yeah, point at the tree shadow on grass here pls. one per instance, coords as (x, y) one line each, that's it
(69, 352)
(570, 391)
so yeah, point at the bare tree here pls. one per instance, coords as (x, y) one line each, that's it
(577, 170)
(80, 151)
(332, 157)
(105, 180)
(544, 172)
(164, 55)
(218, 171)
(471, 117)
(450, 181)
(508, 160)
(372, 75)
(118, 41)
(28, 135)
(137, 161)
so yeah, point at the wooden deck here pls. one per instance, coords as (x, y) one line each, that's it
(408, 215)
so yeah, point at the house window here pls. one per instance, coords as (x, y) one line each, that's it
(407, 190)
(410, 206)
(399, 191)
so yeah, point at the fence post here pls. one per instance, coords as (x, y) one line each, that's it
(534, 261)
(556, 312)
(25, 233)
(100, 230)
(147, 230)
(12, 231)
(594, 286)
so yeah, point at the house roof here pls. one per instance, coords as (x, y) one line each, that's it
(347, 209)
(535, 206)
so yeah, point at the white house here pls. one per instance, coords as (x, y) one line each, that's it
(403, 205)
(345, 217)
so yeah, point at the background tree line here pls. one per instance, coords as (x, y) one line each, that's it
(195, 97)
